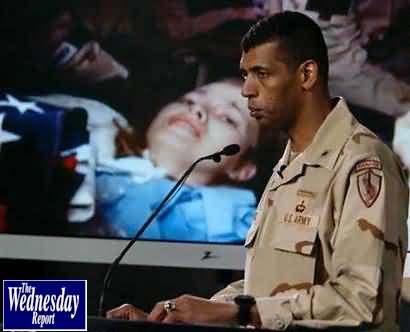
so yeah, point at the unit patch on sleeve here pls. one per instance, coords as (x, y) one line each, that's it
(369, 183)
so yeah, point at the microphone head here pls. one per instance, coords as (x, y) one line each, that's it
(230, 150)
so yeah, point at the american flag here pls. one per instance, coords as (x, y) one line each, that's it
(40, 146)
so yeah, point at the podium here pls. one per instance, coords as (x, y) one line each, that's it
(98, 324)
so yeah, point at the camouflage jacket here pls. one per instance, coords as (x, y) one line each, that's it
(328, 244)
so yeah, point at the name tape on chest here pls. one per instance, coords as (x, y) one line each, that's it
(300, 219)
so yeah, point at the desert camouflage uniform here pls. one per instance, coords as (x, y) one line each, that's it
(328, 244)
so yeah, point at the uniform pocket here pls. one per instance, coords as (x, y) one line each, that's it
(296, 233)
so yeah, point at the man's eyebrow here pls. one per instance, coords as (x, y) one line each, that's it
(258, 68)
(255, 68)
(234, 104)
(186, 98)
(240, 110)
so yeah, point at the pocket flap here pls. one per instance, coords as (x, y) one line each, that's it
(296, 233)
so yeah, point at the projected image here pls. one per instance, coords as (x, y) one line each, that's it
(211, 206)
(104, 105)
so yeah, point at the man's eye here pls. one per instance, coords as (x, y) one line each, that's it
(230, 121)
(188, 102)
(262, 74)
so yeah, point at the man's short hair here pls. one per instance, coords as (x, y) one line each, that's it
(298, 36)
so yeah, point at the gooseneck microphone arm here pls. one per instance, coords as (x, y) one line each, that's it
(228, 150)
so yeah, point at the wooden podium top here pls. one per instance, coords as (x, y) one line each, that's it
(98, 324)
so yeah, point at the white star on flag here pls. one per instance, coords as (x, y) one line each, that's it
(6, 136)
(21, 106)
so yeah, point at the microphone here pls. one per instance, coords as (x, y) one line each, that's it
(228, 150)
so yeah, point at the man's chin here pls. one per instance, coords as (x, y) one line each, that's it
(266, 123)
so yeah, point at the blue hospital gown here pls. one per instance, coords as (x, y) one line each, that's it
(202, 213)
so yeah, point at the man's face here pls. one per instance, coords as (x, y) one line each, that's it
(200, 123)
(47, 39)
(270, 86)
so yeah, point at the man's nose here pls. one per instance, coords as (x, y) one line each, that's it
(199, 112)
(249, 88)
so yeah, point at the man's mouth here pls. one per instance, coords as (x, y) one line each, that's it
(186, 124)
(255, 112)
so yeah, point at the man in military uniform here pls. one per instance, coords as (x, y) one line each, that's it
(328, 243)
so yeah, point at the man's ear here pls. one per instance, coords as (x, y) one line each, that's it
(309, 74)
(244, 172)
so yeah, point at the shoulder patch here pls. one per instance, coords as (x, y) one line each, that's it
(369, 185)
(368, 164)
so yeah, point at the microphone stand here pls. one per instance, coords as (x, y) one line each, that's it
(108, 276)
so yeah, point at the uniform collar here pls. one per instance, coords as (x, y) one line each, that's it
(323, 151)
(329, 140)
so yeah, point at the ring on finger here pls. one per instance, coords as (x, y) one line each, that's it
(169, 306)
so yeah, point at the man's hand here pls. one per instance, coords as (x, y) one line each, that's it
(91, 64)
(127, 312)
(191, 309)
